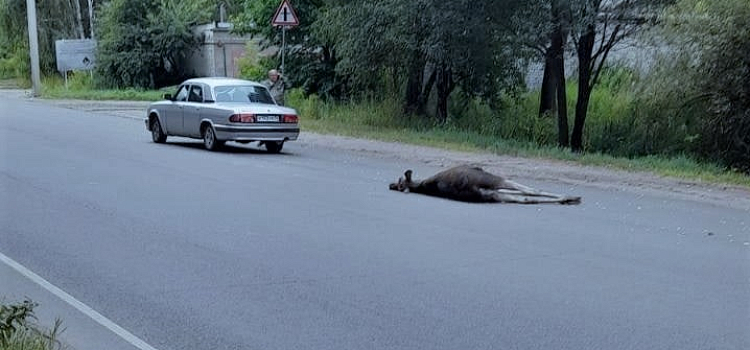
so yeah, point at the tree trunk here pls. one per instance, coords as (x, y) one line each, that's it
(91, 18)
(562, 104)
(424, 96)
(444, 88)
(547, 94)
(557, 53)
(79, 18)
(585, 50)
(414, 85)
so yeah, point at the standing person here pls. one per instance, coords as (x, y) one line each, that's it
(276, 85)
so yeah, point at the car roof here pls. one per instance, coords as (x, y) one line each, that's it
(220, 81)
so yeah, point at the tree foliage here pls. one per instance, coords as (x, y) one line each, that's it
(311, 55)
(428, 46)
(145, 43)
(712, 78)
(56, 19)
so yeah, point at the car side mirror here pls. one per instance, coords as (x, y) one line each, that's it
(168, 97)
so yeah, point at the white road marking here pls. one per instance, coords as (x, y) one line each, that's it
(83, 308)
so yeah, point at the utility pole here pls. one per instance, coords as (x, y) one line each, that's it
(36, 81)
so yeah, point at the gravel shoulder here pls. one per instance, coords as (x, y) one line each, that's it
(644, 183)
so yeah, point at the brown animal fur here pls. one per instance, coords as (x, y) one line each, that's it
(473, 184)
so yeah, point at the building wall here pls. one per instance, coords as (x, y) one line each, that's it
(219, 51)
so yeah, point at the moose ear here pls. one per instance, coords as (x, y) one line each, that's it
(408, 175)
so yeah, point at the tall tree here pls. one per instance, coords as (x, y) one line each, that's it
(433, 44)
(385, 39)
(599, 26)
(144, 43)
(542, 28)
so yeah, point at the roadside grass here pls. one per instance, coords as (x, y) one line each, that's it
(18, 331)
(14, 83)
(81, 87)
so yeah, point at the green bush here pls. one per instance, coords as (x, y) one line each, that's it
(254, 68)
(697, 100)
(15, 64)
(18, 330)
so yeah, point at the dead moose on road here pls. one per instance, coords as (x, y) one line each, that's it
(472, 184)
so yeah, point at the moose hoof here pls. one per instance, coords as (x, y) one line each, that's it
(571, 200)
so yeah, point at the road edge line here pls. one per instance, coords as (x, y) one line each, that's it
(77, 304)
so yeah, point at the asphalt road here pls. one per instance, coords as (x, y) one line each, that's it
(240, 249)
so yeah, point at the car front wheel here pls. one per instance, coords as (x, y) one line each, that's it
(157, 134)
(274, 146)
(209, 139)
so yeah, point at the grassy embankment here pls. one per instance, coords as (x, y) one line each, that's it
(517, 131)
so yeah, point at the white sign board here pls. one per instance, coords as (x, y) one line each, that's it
(75, 54)
(285, 15)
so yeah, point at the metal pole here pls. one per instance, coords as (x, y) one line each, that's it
(283, 47)
(36, 81)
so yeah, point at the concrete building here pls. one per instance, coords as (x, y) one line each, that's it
(219, 51)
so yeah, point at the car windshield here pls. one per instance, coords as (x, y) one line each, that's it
(243, 93)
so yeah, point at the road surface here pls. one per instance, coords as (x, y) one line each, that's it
(188, 249)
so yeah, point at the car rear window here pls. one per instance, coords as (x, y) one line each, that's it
(243, 93)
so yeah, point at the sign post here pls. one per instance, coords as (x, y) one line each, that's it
(78, 54)
(284, 17)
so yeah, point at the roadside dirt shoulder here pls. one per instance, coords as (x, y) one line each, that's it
(645, 183)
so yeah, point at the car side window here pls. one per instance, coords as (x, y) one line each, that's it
(196, 94)
(182, 94)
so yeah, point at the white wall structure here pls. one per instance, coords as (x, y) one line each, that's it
(218, 53)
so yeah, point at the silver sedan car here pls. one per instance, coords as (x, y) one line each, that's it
(218, 110)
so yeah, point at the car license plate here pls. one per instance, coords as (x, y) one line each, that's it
(268, 118)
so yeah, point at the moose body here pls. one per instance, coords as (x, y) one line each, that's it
(473, 184)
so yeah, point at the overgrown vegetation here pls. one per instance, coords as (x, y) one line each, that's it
(81, 85)
(18, 331)
(57, 20)
(145, 43)
(708, 78)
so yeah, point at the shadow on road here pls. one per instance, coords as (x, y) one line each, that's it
(230, 148)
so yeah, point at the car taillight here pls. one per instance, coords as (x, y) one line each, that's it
(242, 118)
(290, 118)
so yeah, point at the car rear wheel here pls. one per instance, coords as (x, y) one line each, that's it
(157, 134)
(274, 146)
(209, 139)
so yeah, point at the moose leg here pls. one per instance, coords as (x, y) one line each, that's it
(529, 191)
(521, 197)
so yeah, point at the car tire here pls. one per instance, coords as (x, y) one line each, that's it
(157, 134)
(274, 146)
(209, 139)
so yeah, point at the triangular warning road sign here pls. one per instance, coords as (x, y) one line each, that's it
(285, 15)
